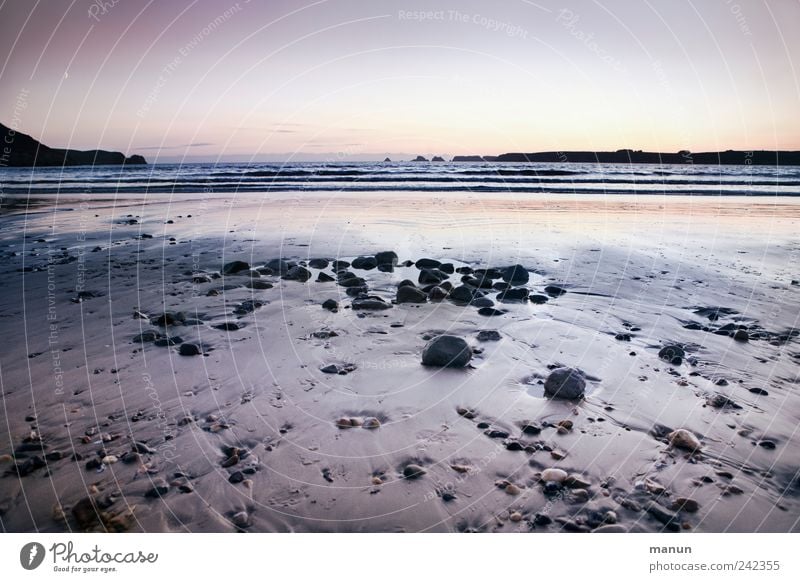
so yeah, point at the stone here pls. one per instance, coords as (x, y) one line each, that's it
(577, 482)
(340, 369)
(231, 460)
(684, 439)
(324, 278)
(344, 422)
(86, 513)
(490, 312)
(189, 349)
(410, 294)
(515, 516)
(279, 266)
(513, 295)
(514, 445)
(159, 488)
(530, 428)
(555, 290)
(235, 267)
(236, 477)
(257, 285)
(480, 282)
(143, 449)
(413, 471)
(169, 318)
(371, 423)
(566, 383)
(370, 303)
(29, 465)
(298, 273)
(685, 504)
(721, 401)
(146, 337)
(431, 277)
(496, 433)
(538, 299)
(386, 258)
(482, 302)
(447, 351)
(516, 275)
(489, 335)
(247, 306)
(667, 518)
(318, 263)
(468, 413)
(554, 475)
(330, 305)
(428, 264)
(673, 354)
(741, 335)
(364, 263)
(462, 294)
(438, 293)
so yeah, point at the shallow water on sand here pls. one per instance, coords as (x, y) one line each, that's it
(636, 268)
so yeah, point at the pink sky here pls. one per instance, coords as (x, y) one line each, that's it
(202, 78)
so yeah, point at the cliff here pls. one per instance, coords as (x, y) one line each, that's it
(20, 150)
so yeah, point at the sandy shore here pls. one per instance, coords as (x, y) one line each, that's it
(107, 430)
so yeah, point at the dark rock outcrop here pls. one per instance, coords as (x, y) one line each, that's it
(21, 150)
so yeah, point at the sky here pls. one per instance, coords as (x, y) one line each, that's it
(346, 79)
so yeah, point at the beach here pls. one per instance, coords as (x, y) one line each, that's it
(285, 416)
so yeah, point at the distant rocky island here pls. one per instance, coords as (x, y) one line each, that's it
(20, 150)
(728, 157)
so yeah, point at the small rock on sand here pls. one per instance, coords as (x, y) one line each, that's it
(554, 475)
(370, 303)
(446, 351)
(488, 335)
(466, 412)
(684, 439)
(297, 273)
(410, 294)
(371, 422)
(234, 267)
(386, 258)
(673, 354)
(516, 275)
(427, 264)
(365, 263)
(330, 305)
(555, 290)
(685, 504)
(413, 471)
(318, 263)
(431, 276)
(189, 349)
(567, 383)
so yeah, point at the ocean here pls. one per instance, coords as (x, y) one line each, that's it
(476, 177)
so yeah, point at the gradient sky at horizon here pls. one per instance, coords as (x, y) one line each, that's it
(351, 79)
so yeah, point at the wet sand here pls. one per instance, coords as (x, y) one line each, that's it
(105, 430)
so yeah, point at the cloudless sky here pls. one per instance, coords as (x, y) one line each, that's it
(353, 78)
